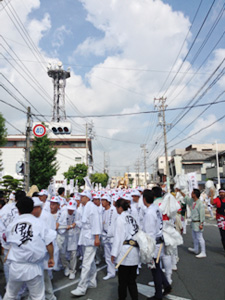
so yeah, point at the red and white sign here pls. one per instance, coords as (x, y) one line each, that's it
(39, 130)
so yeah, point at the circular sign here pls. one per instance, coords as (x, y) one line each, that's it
(39, 130)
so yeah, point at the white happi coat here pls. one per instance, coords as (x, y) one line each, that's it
(8, 214)
(108, 225)
(90, 225)
(50, 223)
(153, 224)
(73, 233)
(125, 229)
(140, 212)
(28, 238)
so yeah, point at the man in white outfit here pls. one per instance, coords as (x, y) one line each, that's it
(28, 240)
(109, 219)
(89, 239)
(49, 222)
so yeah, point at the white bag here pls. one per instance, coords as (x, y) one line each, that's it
(169, 206)
(209, 185)
(146, 246)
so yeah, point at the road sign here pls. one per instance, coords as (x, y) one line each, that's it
(39, 130)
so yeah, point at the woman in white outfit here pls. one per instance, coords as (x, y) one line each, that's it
(126, 228)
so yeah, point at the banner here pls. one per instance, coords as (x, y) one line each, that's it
(87, 183)
(192, 181)
(52, 188)
(65, 185)
(71, 186)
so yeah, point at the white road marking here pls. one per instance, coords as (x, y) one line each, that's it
(75, 281)
(149, 291)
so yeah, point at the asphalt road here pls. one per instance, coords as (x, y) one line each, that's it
(195, 279)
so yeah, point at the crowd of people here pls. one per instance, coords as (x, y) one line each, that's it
(41, 234)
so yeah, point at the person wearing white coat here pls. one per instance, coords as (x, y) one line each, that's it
(28, 240)
(73, 232)
(125, 229)
(109, 219)
(153, 226)
(49, 222)
(89, 239)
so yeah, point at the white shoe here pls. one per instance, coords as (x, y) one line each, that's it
(192, 250)
(72, 276)
(174, 268)
(201, 255)
(151, 283)
(77, 292)
(67, 271)
(108, 277)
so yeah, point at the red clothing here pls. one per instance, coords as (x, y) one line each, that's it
(217, 202)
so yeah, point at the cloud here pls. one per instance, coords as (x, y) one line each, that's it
(128, 66)
(59, 36)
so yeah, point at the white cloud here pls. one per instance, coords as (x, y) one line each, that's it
(137, 49)
(59, 36)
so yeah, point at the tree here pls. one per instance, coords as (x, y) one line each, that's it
(77, 172)
(9, 184)
(3, 135)
(43, 163)
(100, 178)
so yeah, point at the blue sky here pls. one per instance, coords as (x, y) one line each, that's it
(120, 53)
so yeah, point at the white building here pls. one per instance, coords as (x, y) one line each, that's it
(71, 151)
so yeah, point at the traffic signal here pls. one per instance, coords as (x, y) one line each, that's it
(20, 167)
(60, 127)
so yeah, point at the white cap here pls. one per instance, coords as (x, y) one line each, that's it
(37, 202)
(135, 193)
(127, 197)
(43, 192)
(76, 197)
(107, 198)
(72, 204)
(139, 188)
(96, 195)
(86, 193)
(55, 199)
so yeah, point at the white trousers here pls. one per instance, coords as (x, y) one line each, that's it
(35, 286)
(167, 264)
(184, 225)
(49, 294)
(198, 239)
(72, 263)
(88, 271)
(110, 266)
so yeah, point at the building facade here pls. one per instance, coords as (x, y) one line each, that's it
(71, 151)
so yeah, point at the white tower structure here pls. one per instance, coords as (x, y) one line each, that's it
(59, 77)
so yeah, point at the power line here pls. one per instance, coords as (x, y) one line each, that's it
(178, 55)
(200, 130)
(192, 44)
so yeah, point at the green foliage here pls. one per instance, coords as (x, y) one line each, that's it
(3, 131)
(3, 135)
(43, 163)
(77, 172)
(9, 184)
(100, 178)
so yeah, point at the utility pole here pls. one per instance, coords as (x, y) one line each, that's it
(137, 167)
(145, 162)
(218, 167)
(105, 170)
(87, 146)
(162, 122)
(27, 152)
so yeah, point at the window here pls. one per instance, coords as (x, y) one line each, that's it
(77, 158)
